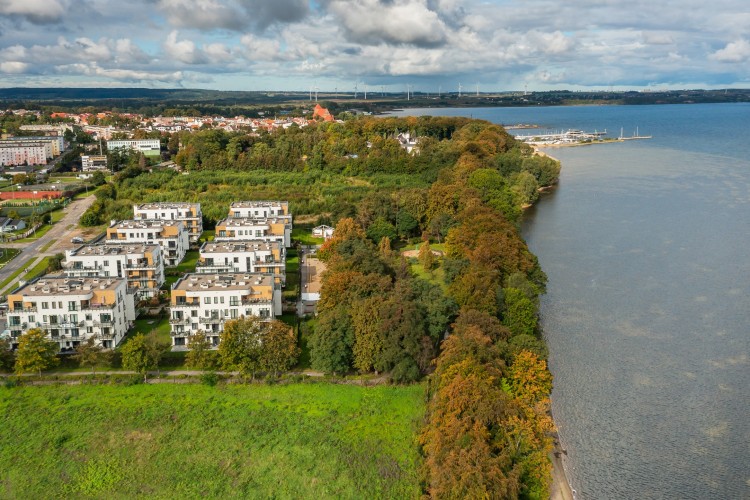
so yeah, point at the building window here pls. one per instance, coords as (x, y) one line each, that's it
(207, 300)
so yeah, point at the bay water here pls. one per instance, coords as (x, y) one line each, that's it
(646, 244)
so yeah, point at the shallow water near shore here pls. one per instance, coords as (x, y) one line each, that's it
(647, 248)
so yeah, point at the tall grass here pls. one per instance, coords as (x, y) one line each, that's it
(190, 441)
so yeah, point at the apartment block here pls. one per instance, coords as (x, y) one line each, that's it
(277, 228)
(172, 236)
(29, 153)
(90, 163)
(204, 302)
(71, 310)
(141, 264)
(266, 257)
(149, 147)
(189, 213)
(258, 209)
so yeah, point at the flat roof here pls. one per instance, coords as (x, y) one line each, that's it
(239, 246)
(254, 221)
(145, 224)
(231, 281)
(166, 205)
(114, 249)
(258, 203)
(54, 285)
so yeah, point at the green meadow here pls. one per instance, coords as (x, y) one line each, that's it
(313, 440)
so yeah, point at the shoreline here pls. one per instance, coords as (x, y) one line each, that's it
(560, 489)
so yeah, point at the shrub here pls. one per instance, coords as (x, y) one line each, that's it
(210, 379)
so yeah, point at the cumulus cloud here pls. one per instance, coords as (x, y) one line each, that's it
(13, 67)
(183, 50)
(734, 52)
(235, 15)
(35, 11)
(377, 21)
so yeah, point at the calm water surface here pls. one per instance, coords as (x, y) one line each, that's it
(647, 315)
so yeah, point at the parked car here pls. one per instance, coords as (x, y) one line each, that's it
(77, 239)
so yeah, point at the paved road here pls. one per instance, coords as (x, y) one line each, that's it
(73, 212)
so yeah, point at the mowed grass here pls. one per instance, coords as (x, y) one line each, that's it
(190, 441)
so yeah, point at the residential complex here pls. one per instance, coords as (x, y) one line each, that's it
(277, 228)
(149, 147)
(71, 310)
(171, 235)
(258, 209)
(252, 256)
(140, 263)
(189, 213)
(205, 301)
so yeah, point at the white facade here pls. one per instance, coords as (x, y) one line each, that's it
(70, 310)
(203, 302)
(265, 229)
(258, 209)
(141, 264)
(189, 213)
(172, 236)
(242, 257)
(93, 162)
(149, 147)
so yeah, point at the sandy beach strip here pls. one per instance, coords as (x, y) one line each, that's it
(560, 488)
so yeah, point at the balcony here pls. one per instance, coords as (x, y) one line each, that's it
(96, 306)
(190, 305)
(22, 309)
(210, 321)
(105, 323)
(180, 321)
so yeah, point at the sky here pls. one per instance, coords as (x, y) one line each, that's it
(333, 45)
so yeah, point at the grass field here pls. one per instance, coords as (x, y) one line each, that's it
(191, 441)
(303, 234)
(7, 254)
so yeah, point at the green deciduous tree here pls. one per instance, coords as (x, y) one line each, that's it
(279, 347)
(35, 353)
(240, 347)
(426, 257)
(7, 358)
(143, 353)
(89, 353)
(200, 356)
(331, 342)
(520, 312)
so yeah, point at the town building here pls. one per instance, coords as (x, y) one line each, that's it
(204, 302)
(149, 147)
(267, 229)
(7, 224)
(323, 231)
(56, 143)
(91, 163)
(172, 236)
(71, 310)
(57, 129)
(253, 256)
(189, 213)
(140, 263)
(25, 152)
(322, 113)
(258, 209)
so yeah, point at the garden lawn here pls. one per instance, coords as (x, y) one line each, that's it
(190, 441)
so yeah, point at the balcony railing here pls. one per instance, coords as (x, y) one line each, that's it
(187, 304)
(96, 306)
(179, 321)
(210, 321)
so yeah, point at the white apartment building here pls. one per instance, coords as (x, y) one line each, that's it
(140, 263)
(206, 301)
(189, 213)
(256, 256)
(56, 143)
(258, 209)
(149, 147)
(70, 310)
(58, 129)
(90, 163)
(171, 235)
(277, 228)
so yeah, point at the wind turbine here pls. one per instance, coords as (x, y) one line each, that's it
(316, 94)
(477, 89)
(365, 91)
(459, 89)
(408, 88)
(382, 91)
(355, 89)
(440, 89)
